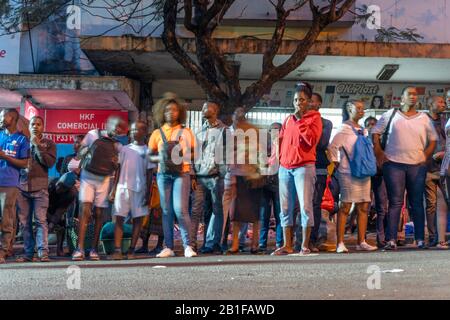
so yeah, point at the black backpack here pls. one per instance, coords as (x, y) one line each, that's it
(99, 159)
(167, 165)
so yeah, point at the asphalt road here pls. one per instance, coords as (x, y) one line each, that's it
(406, 274)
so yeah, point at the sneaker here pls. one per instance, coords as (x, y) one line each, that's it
(166, 253)
(381, 244)
(421, 244)
(442, 245)
(78, 255)
(341, 248)
(93, 255)
(189, 252)
(432, 243)
(391, 245)
(364, 246)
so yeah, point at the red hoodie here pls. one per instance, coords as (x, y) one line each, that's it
(298, 140)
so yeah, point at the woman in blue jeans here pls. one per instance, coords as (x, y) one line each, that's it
(410, 140)
(172, 147)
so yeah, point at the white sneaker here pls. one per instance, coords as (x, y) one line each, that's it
(166, 253)
(341, 248)
(364, 246)
(189, 252)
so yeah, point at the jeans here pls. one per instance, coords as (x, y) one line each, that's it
(214, 186)
(174, 193)
(431, 187)
(381, 206)
(400, 177)
(319, 190)
(8, 196)
(270, 200)
(300, 182)
(34, 204)
(243, 234)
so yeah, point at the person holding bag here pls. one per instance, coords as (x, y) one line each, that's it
(354, 168)
(172, 147)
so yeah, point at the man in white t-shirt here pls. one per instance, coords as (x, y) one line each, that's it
(131, 187)
(94, 189)
(411, 141)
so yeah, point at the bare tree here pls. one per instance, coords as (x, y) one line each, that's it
(211, 68)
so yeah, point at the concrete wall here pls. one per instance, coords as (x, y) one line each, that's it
(431, 18)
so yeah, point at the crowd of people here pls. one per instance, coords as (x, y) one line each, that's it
(229, 177)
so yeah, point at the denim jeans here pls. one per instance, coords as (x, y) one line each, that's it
(319, 190)
(215, 187)
(34, 204)
(270, 200)
(300, 182)
(381, 206)
(174, 191)
(8, 196)
(400, 177)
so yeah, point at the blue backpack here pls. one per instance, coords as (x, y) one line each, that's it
(363, 164)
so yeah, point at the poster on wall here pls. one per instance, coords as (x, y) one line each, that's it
(9, 54)
(380, 96)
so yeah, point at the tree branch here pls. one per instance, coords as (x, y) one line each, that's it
(170, 40)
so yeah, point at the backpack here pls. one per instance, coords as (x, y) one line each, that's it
(100, 158)
(167, 165)
(364, 163)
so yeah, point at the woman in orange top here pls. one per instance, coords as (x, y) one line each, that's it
(172, 146)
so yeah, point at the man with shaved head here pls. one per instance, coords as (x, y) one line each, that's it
(14, 153)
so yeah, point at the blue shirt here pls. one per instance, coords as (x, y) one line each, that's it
(15, 145)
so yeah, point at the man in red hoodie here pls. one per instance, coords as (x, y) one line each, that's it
(299, 137)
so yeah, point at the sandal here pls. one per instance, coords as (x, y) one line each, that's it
(305, 251)
(281, 252)
(24, 259)
(44, 258)
(231, 252)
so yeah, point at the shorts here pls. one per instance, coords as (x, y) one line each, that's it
(94, 189)
(127, 201)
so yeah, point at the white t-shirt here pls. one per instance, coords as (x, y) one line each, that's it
(73, 165)
(408, 136)
(134, 162)
(344, 138)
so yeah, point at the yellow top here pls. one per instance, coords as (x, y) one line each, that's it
(187, 142)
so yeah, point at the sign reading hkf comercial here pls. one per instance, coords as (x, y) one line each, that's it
(62, 125)
(9, 53)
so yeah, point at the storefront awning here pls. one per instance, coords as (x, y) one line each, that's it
(69, 92)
